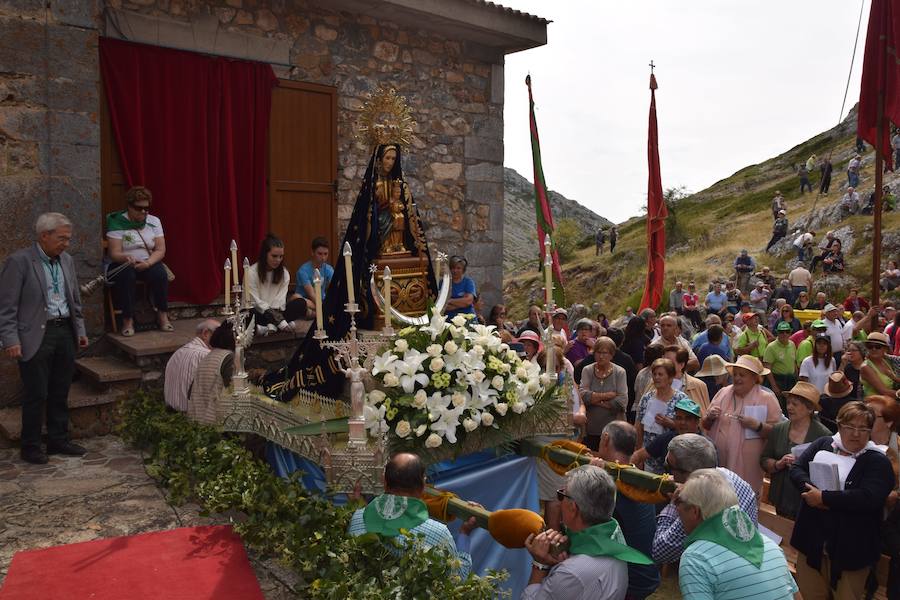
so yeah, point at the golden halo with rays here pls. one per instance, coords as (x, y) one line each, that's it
(385, 119)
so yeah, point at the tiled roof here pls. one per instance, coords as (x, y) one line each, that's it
(511, 11)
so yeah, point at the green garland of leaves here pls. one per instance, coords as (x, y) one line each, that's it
(281, 519)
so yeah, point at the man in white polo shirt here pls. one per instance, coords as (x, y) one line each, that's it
(834, 327)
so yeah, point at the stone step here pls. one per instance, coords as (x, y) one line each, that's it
(154, 342)
(107, 369)
(90, 412)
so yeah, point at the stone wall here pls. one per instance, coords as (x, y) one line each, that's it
(49, 137)
(455, 164)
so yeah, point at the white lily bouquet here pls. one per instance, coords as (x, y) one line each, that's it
(451, 382)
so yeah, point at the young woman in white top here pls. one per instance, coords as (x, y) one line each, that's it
(817, 368)
(267, 283)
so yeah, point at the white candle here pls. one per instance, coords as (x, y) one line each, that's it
(227, 282)
(317, 283)
(348, 267)
(246, 291)
(548, 270)
(437, 271)
(234, 261)
(387, 296)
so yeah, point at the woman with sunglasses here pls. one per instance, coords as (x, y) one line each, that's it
(837, 532)
(462, 291)
(497, 318)
(876, 373)
(136, 237)
(787, 316)
(803, 302)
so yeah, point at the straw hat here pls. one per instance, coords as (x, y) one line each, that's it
(531, 336)
(838, 385)
(750, 363)
(807, 391)
(713, 366)
(878, 339)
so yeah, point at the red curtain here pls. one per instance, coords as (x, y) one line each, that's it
(194, 130)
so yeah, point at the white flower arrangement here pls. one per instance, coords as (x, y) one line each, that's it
(444, 380)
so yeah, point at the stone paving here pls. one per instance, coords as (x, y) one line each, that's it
(104, 494)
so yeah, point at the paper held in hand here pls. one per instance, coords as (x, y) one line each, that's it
(828, 471)
(758, 412)
(654, 407)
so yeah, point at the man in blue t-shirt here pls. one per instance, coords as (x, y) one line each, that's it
(716, 300)
(305, 288)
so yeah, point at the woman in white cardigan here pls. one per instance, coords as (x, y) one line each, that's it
(267, 283)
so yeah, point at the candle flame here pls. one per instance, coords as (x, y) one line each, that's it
(387, 273)
(233, 246)
(347, 250)
(317, 277)
(228, 263)
(246, 263)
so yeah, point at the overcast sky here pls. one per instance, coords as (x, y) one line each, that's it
(739, 82)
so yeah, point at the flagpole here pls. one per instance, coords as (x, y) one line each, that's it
(876, 237)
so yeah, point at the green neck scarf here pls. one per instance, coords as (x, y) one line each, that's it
(731, 529)
(387, 514)
(605, 539)
(119, 221)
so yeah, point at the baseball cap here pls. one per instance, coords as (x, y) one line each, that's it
(688, 406)
(819, 324)
(783, 326)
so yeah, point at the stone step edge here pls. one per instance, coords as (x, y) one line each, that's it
(108, 369)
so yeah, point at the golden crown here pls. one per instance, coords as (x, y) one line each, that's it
(385, 119)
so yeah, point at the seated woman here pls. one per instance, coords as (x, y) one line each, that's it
(834, 259)
(213, 375)
(462, 293)
(136, 237)
(267, 284)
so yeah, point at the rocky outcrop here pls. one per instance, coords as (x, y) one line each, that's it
(520, 245)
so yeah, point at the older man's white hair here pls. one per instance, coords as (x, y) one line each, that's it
(51, 221)
(206, 325)
(593, 491)
(708, 490)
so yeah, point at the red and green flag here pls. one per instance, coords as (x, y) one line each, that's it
(542, 204)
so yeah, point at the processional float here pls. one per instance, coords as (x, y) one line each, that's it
(330, 431)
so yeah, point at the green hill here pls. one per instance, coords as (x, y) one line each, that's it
(707, 229)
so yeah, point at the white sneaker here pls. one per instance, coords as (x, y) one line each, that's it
(262, 330)
(271, 328)
(285, 326)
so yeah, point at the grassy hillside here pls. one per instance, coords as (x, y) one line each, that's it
(713, 225)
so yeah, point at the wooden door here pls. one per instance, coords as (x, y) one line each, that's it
(303, 169)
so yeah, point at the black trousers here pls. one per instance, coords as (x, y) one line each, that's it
(47, 376)
(123, 288)
(293, 310)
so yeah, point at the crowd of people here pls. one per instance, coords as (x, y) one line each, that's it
(752, 379)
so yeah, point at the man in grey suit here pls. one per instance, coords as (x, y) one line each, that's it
(40, 322)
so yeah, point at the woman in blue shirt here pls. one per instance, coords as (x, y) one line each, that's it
(462, 291)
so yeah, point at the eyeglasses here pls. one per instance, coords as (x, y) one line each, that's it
(857, 430)
(874, 347)
(561, 494)
(144, 208)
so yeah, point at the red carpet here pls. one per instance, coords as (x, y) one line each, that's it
(193, 563)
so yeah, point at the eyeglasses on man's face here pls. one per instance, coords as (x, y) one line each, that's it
(561, 495)
(144, 208)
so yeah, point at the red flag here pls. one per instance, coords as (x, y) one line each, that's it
(881, 75)
(656, 214)
(542, 204)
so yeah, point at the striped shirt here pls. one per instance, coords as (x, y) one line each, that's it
(180, 371)
(435, 534)
(668, 541)
(710, 571)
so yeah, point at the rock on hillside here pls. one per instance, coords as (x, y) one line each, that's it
(519, 224)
